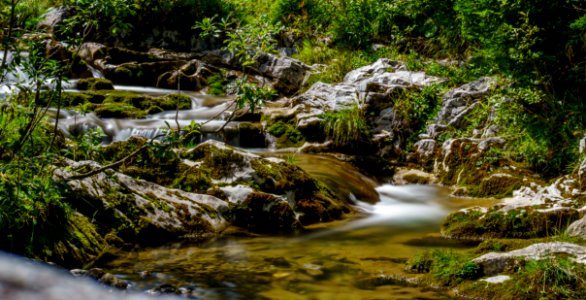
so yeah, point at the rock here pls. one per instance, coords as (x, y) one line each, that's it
(461, 100)
(261, 212)
(22, 279)
(102, 277)
(495, 263)
(412, 176)
(578, 228)
(496, 279)
(370, 85)
(54, 17)
(276, 185)
(142, 211)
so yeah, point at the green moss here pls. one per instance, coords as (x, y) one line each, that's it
(217, 85)
(287, 135)
(220, 161)
(195, 179)
(94, 84)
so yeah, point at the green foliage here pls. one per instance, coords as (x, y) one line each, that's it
(446, 267)
(552, 278)
(353, 25)
(253, 96)
(287, 134)
(32, 215)
(346, 127)
(250, 41)
(217, 85)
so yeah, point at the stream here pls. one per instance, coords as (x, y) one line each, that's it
(348, 259)
(339, 260)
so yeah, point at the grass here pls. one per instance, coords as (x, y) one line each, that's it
(346, 127)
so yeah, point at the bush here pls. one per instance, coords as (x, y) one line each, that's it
(354, 23)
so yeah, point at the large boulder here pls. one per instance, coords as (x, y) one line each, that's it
(141, 211)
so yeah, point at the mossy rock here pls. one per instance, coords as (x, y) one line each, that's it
(527, 222)
(265, 213)
(159, 164)
(498, 185)
(122, 104)
(220, 161)
(195, 179)
(94, 84)
(287, 135)
(81, 244)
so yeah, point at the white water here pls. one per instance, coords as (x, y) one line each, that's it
(399, 206)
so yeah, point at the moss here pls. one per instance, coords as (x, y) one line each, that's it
(81, 244)
(287, 135)
(498, 186)
(122, 104)
(195, 179)
(518, 223)
(159, 164)
(220, 161)
(94, 84)
(217, 85)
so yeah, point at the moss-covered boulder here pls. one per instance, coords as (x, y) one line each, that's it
(306, 196)
(139, 211)
(524, 222)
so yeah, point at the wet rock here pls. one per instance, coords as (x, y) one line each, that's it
(412, 176)
(495, 263)
(102, 277)
(263, 213)
(22, 279)
(164, 289)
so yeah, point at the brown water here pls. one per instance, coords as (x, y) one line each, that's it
(337, 261)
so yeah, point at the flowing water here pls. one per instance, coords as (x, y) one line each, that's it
(340, 260)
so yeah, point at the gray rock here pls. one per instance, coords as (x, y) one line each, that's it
(494, 263)
(146, 206)
(459, 102)
(22, 279)
(53, 17)
(578, 228)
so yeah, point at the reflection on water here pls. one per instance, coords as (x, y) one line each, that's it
(333, 261)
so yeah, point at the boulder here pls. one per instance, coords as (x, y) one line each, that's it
(22, 279)
(141, 211)
(578, 228)
(494, 263)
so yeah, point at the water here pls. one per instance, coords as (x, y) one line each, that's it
(339, 260)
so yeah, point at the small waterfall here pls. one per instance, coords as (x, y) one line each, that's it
(95, 72)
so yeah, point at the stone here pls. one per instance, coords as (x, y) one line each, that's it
(22, 279)
(578, 228)
(143, 211)
(494, 263)
(496, 279)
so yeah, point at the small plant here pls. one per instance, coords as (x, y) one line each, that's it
(346, 127)
(251, 96)
(420, 263)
